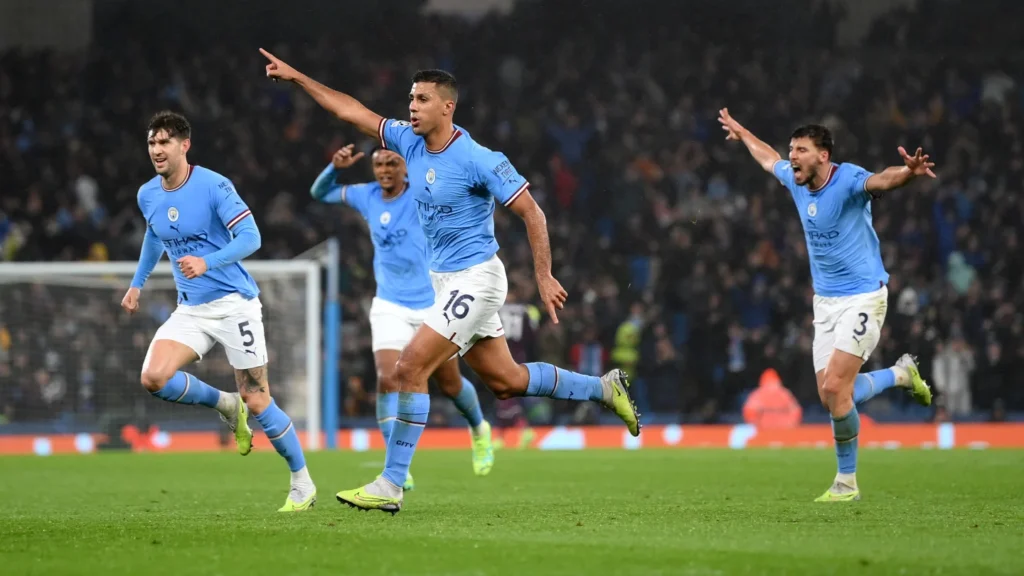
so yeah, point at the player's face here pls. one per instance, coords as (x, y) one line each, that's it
(166, 153)
(428, 107)
(388, 169)
(805, 158)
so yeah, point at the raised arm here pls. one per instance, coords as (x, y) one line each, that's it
(764, 154)
(345, 107)
(897, 176)
(325, 188)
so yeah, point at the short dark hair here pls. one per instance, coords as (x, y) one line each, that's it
(441, 78)
(176, 125)
(820, 135)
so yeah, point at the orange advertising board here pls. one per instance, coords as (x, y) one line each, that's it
(937, 436)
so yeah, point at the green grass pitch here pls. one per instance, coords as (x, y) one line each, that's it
(643, 513)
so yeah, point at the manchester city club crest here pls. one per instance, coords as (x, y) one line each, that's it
(812, 209)
(431, 176)
(385, 217)
(172, 214)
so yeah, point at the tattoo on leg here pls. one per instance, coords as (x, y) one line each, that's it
(252, 380)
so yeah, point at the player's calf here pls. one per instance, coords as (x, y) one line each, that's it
(837, 382)
(162, 378)
(837, 392)
(462, 392)
(280, 430)
(491, 359)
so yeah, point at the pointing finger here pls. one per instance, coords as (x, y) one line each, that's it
(551, 313)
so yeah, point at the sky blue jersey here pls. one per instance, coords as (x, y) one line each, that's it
(198, 218)
(400, 255)
(841, 241)
(454, 189)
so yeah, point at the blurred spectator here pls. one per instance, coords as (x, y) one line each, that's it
(626, 353)
(771, 405)
(951, 376)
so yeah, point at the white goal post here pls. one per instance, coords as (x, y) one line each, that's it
(75, 356)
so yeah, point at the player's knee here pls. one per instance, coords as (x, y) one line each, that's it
(256, 402)
(407, 374)
(836, 393)
(831, 386)
(153, 379)
(387, 382)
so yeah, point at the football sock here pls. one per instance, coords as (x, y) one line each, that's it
(553, 382)
(281, 433)
(185, 388)
(413, 409)
(469, 404)
(387, 411)
(871, 384)
(845, 431)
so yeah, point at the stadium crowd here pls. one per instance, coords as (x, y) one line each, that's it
(684, 262)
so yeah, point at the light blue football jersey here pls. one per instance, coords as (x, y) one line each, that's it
(400, 254)
(455, 189)
(841, 242)
(195, 219)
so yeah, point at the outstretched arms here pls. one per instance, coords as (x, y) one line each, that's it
(764, 154)
(896, 176)
(345, 107)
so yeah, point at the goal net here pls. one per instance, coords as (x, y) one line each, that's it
(70, 357)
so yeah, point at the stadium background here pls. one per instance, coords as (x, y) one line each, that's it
(685, 264)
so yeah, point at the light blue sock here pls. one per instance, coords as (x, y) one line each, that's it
(413, 409)
(547, 380)
(185, 388)
(845, 431)
(281, 433)
(869, 385)
(469, 404)
(387, 411)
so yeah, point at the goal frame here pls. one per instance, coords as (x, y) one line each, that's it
(311, 269)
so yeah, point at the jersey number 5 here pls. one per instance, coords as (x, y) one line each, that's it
(248, 338)
(863, 325)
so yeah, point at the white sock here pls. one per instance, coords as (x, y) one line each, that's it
(386, 488)
(300, 478)
(477, 430)
(227, 403)
(847, 479)
(902, 376)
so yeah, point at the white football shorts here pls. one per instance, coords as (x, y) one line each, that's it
(232, 321)
(466, 303)
(393, 325)
(852, 324)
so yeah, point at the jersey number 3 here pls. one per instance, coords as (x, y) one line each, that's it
(863, 325)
